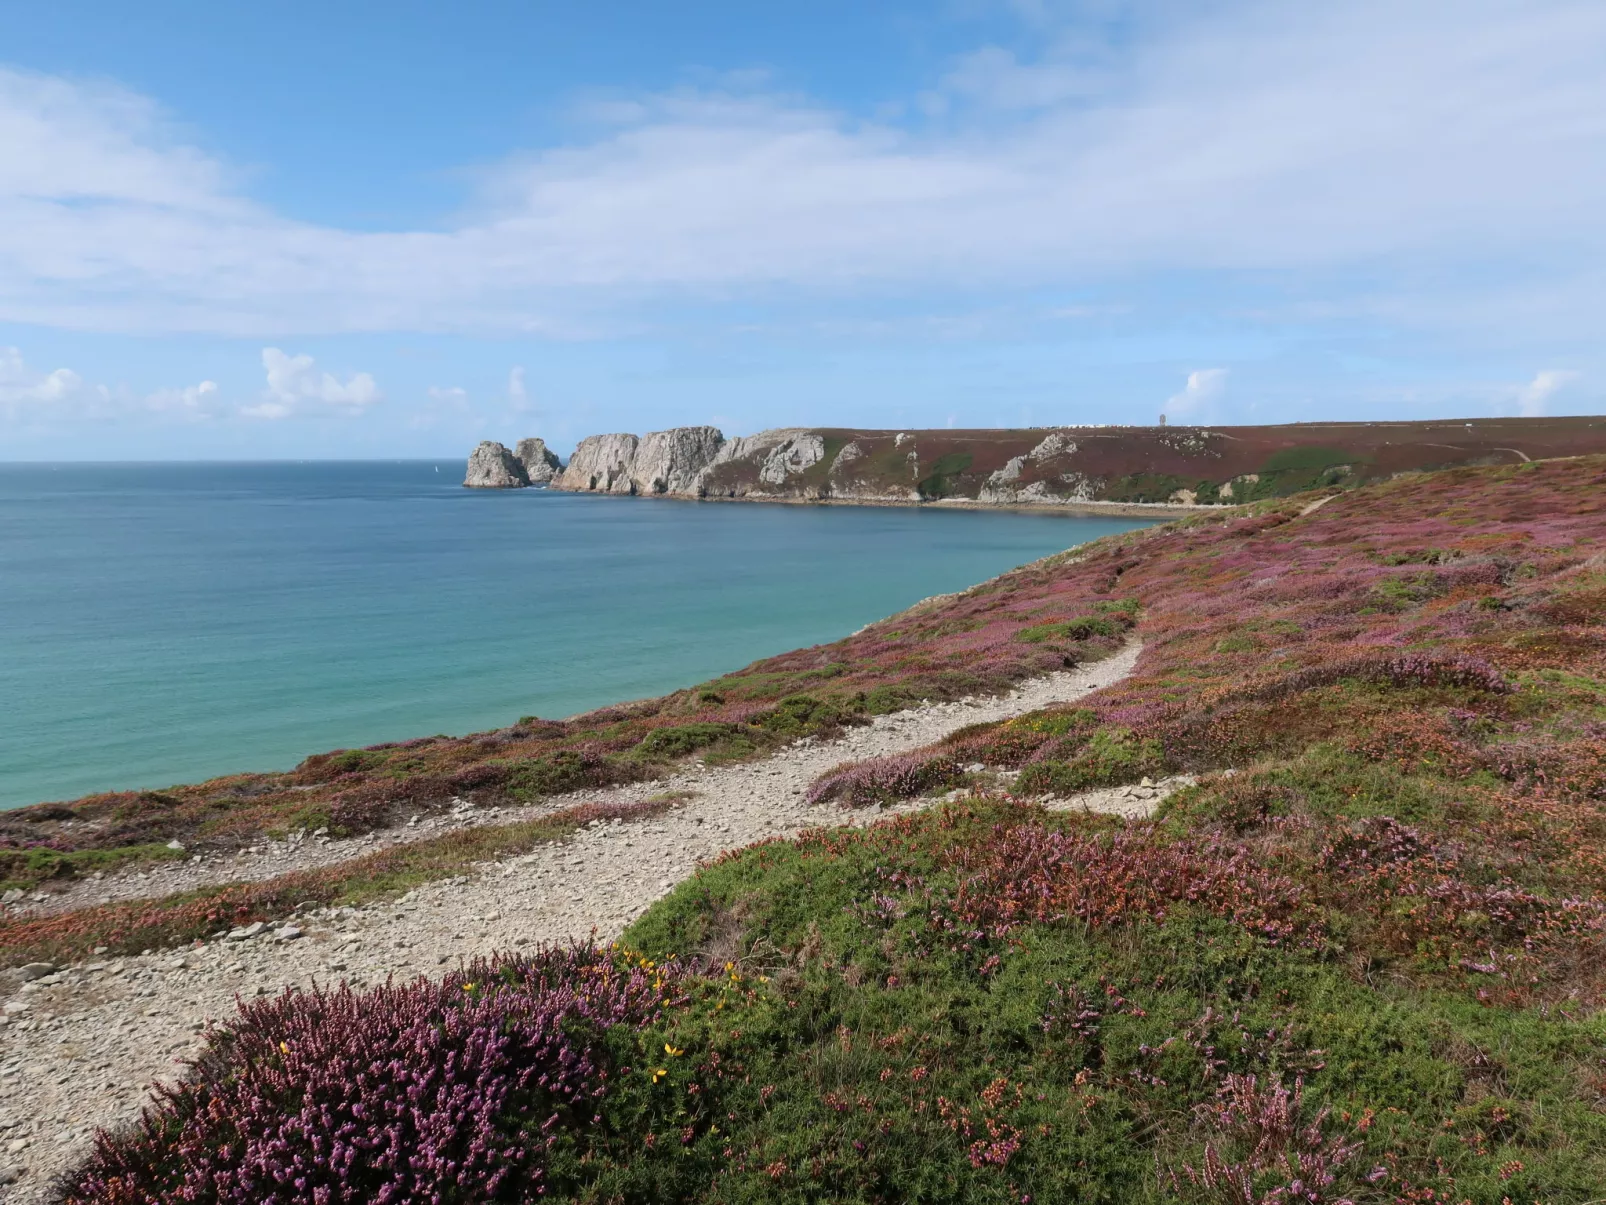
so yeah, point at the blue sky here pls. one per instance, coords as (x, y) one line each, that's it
(392, 230)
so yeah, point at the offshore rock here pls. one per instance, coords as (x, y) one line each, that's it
(601, 463)
(541, 464)
(672, 462)
(492, 467)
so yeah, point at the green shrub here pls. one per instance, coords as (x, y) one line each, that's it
(1082, 628)
(800, 715)
(1111, 757)
(683, 739)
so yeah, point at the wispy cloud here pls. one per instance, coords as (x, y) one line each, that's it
(518, 396)
(1535, 395)
(1463, 140)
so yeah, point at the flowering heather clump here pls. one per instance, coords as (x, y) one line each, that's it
(1031, 874)
(1422, 900)
(444, 1092)
(1264, 1121)
(883, 778)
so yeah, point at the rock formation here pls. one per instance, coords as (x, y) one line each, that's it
(1181, 467)
(541, 464)
(492, 467)
(672, 462)
(1005, 488)
(601, 463)
(771, 464)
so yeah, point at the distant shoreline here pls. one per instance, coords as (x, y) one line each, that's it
(1081, 510)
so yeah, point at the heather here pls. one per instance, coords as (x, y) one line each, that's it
(1362, 960)
(984, 1002)
(465, 1090)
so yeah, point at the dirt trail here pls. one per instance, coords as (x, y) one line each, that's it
(79, 1047)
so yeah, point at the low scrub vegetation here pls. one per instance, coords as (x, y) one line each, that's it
(984, 1002)
(1362, 960)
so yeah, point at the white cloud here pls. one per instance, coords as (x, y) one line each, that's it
(20, 385)
(295, 381)
(1454, 139)
(1203, 386)
(62, 395)
(1536, 393)
(516, 393)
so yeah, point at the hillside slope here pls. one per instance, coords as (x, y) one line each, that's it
(1065, 466)
(1363, 960)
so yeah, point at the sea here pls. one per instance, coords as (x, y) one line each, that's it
(164, 623)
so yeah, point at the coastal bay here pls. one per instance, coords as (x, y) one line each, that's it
(169, 622)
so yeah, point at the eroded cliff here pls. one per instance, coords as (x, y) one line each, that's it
(1067, 466)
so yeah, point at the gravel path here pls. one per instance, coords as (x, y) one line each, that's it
(79, 1047)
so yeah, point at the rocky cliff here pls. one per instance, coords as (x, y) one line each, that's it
(1066, 466)
(672, 462)
(541, 464)
(601, 463)
(492, 467)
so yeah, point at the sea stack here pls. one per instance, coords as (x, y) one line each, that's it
(541, 464)
(492, 467)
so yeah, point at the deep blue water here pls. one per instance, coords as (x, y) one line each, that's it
(165, 623)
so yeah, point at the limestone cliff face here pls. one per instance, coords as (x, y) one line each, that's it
(540, 463)
(1068, 466)
(770, 464)
(601, 464)
(492, 467)
(672, 462)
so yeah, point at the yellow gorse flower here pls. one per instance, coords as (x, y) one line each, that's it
(672, 1050)
(659, 1074)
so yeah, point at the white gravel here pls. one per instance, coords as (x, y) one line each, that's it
(80, 1046)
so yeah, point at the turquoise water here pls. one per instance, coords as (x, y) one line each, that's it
(165, 623)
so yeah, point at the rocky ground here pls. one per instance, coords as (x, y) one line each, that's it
(80, 1045)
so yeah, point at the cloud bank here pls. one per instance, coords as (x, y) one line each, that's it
(1462, 145)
